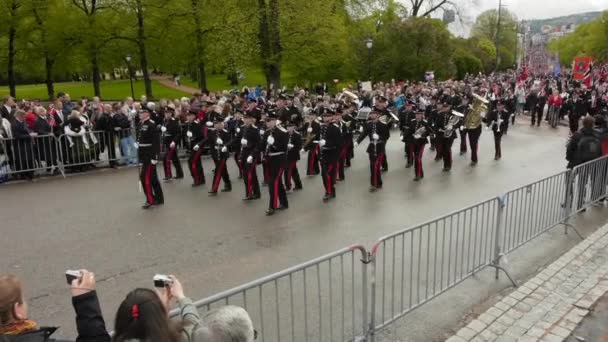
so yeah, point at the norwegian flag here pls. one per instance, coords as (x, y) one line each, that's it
(583, 69)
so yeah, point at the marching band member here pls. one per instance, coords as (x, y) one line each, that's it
(405, 118)
(276, 150)
(330, 140)
(311, 131)
(378, 133)
(249, 156)
(447, 123)
(294, 144)
(148, 145)
(497, 120)
(218, 140)
(194, 143)
(171, 136)
(420, 130)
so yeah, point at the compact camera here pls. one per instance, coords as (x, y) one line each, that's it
(161, 280)
(70, 275)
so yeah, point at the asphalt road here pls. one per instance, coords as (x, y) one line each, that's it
(94, 221)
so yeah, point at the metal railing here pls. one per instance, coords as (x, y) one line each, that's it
(324, 299)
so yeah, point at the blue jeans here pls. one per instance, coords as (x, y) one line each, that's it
(128, 151)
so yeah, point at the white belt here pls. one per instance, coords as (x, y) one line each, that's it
(275, 154)
(145, 145)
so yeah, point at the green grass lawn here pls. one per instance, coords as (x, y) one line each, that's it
(110, 90)
(253, 77)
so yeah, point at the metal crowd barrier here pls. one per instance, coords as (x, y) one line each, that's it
(28, 156)
(324, 299)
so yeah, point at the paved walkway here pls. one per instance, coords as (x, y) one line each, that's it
(167, 81)
(551, 305)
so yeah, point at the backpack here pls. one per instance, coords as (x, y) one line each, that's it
(589, 147)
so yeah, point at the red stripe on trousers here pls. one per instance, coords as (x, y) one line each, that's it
(218, 175)
(312, 159)
(194, 168)
(148, 185)
(290, 173)
(419, 161)
(168, 171)
(329, 182)
(250, 179)
(275, 200)
(377, 165)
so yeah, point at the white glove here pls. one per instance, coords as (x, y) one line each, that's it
(270, 140)
(238, 130)
(172, 144)
(290, 146)
(417, 136)
(196, 147)
(154, 161)
(309, 130)
(243, 141)
(209, 124)
(262, 132)
(361, 129)
(219, 141)
(356, 143)
(224, 149)
(189, 134)
(322, 142)
(136, 145)
(302, 150)
(401, 137)
(117, 129)
(249, 160)
(163, 129)
(375, 136)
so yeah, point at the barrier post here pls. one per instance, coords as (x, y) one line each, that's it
(371, 260)
(502, 203)
(364, 262)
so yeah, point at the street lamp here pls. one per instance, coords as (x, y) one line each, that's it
(369, 43)
(128, 59)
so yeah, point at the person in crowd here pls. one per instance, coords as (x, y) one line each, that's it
(105, 124)
(226, 324)
(122, 127)
(45, 142)
(7, 110)
(584, 146)
(68, 106)
(148, 145)
(22, 149)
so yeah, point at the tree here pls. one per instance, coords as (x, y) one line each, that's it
(269, 36)
(13, 13)
(486, 26)
(423, 8)
(588, 39)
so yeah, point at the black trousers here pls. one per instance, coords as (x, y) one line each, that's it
(463, 140)
(573, 121)
(375, 169)
(196, 167)
(328, 172)
(150, 183)
(292, 174)
(220, 173)
(418, 152)
(237, 160)
(342, 161)
(172, 157)
(537, 114)
(250, 178)
(497, 143)
(446, 151)
(313, 161)
(474, 135)
(276, 188)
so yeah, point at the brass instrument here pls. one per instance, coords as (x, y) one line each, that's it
(477, 111)
(420, 132)
(454, 120)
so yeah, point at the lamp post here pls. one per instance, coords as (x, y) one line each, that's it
(369, 43)
(128, 59)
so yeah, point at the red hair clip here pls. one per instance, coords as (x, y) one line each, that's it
(135, 311)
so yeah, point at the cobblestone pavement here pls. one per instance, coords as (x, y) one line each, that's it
(551, 305)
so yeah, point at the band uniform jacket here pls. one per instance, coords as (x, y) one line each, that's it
(197, 137)
(415, 126)
(172, 132)
(492, 120)
(148, 139)
(279, 148)
(316, 131)
(333, 141)
(251, 148)
(294, 138)
(216, 149)
(377, 127)
(405, 121)
(442, 124)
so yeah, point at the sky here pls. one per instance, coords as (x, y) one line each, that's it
(527, 9)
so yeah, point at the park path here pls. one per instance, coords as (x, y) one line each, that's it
(167, 81)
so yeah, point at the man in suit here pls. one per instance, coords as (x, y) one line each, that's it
(7, 111)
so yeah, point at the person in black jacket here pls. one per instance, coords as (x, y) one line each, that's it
(378, 133)
(250, 142)
(420, 130)
(23, 158)
(171, 137)
(45, 142)
(105, 124)
(276, 155)
(194, 144)
(148, 144)
(218, 140)
(330, 141)
(90, 324)
(406, 115)
(294, 145)
(498, 119)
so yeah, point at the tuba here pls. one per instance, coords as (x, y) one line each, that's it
(420, 132)
(477, 111)
(454, 120)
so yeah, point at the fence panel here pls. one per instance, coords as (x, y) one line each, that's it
(411, 267)
(97, 148)
(589, 181)
(27, 156)
(321, 300)
(532, 210)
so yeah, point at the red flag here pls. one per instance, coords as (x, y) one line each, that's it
(582, 69)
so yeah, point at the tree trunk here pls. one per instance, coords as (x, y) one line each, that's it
(270, 42)
(141, 43)
(49, 63)
(12, 32)
(199, 46)
(96, 71)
